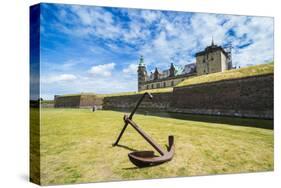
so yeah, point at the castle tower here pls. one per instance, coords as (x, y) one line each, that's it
(142, 74)
(213, 59)
(156, 74)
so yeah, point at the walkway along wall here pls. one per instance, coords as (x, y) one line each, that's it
(245, 97)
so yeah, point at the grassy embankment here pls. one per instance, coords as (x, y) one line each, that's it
(256, 70)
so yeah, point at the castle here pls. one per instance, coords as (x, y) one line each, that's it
(212, 59)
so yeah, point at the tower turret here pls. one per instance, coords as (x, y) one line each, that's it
(213, 59)
(142, 74)
(172, 70)
(156, 74)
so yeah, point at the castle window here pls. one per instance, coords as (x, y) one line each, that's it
(152, 86)
(164, 84)
(158, 85)
(172, 83)
(147, 86)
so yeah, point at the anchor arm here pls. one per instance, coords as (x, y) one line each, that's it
(144, 135)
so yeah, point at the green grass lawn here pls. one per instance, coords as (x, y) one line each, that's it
(76, 146)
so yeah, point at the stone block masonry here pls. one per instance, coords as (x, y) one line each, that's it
(244, 97)
(160, 102)
(67, 101)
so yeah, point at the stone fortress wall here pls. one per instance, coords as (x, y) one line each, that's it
(78, 101)
(246, 97)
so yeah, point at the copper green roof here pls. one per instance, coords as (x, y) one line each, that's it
(178, 70)
(141, 63)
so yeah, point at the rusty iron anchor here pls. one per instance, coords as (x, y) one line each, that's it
(147, 158)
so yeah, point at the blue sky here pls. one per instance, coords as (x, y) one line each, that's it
(96, 49)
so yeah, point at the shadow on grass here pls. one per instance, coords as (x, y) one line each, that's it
(135, 167)
(144, 167)
(236, 121)
(126, 147)
(131, 168)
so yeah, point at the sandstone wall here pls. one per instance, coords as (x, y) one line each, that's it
(78, 101)
(88, 101)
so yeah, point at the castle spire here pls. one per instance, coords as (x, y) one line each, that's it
(142, 74)
(156, 74)
(141, 63)
(172, 70)
(212, 41)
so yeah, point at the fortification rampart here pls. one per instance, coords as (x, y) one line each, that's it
(78, 101)
(244, 97)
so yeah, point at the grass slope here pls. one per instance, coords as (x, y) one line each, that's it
(76, 147)
(231, 74)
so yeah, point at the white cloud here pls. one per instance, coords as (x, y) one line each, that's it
(131, 69)
(150, 15)
(96, 21)
(175, 36)
(102, 70)
(179, 41)
(58, 78)
(102, 85)
(161, 38)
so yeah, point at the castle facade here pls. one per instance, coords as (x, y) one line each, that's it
(212, 59)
